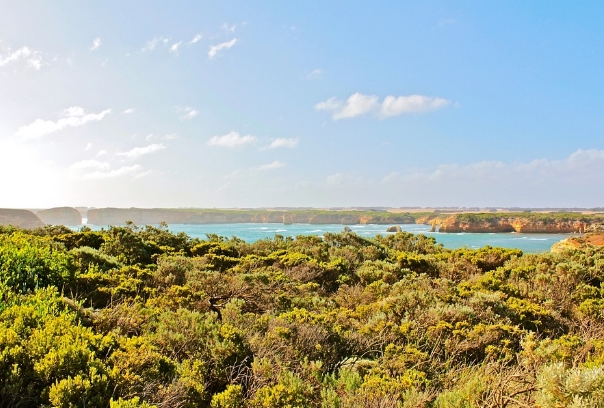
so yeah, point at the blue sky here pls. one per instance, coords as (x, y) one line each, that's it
(233, 104)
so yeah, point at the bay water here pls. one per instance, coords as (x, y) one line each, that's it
(250, 232)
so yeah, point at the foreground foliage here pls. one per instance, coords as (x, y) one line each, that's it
(141, 317)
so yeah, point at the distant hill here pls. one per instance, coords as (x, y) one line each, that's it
(61, 216)
(20, 218)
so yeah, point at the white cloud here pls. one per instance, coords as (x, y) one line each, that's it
(231, 140)
(88, 147)
(141, 151)
(195, 39)
(229, 28)
(271, 166)
(150, 46)
(101, 153)
(283, 142)
(127, 111)
(95, 44)
(174, 47)
(74, 116)
(188, 113)
(122, 171)
(214, 49)
(94, 169)
(169, 136)
(31, 57)
(331, 104)
(394, 106)
(314, 74)
(358, 104)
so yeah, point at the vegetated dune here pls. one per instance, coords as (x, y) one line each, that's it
(119, 216)
(61, 216)
(20, 218)
(595, 239)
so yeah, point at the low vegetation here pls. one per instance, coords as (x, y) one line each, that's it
(141, 317)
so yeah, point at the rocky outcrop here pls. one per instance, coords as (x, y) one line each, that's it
(597, 227)
(20, 218)
(347, 229)
(489, 223)
(395, 228)
(61, 216)
(142, 216)
(454, 224)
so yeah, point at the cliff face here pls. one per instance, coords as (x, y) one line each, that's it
(456, 223)
(20, 218)
(562, 226)
(453, 224)
(61, 216)
(139, 216)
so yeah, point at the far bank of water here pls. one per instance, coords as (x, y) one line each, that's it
(530, 243)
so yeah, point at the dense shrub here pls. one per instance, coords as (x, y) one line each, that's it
(142, 317)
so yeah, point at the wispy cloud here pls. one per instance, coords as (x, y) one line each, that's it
(74, 116)
(134, 170)
(329, 105)
(271, 166)
(229, 28)
(128, 111)
(95, 44)
(195, 39)
(283, 142)
(231, 140)
(169, 136)
(394, 106)
(314, 74)
(187, 113)
(174, 47)
(95, 169)
(578, 167)
(150, 46)
(137, 152)
(214, 49)
(88, 147)
(32, 58)
(358, 104)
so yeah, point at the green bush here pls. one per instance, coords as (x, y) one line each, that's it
(28, 262)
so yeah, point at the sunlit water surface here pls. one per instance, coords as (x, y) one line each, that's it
(253, 232)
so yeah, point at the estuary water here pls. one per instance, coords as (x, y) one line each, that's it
(530, 243)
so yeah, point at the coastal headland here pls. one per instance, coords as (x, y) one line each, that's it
(565, 222)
